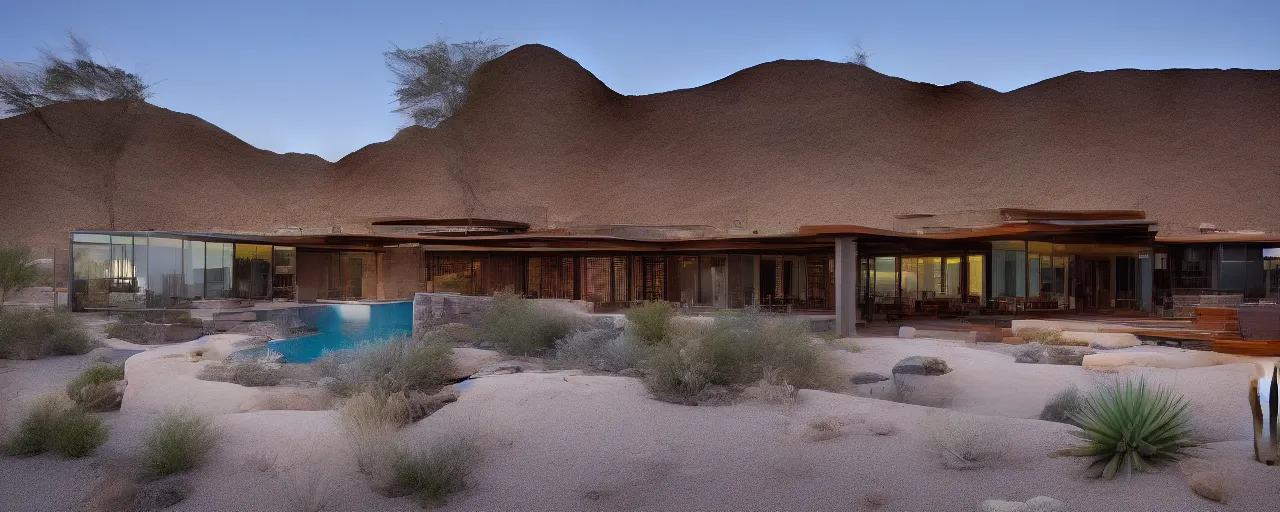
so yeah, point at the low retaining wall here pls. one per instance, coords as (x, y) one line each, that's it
(432, 309)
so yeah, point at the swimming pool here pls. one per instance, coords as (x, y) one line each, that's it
(343, 326)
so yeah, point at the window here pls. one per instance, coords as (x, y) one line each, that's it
(193, 258)
(1008, 269)
(977, 275)
(884, 274)
(1271, 271)
(712, 283)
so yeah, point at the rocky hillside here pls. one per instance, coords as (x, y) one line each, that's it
(766, 149)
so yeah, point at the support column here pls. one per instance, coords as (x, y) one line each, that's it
(1146, 278)
(846, 286)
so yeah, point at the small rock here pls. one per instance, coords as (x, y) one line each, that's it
(1208, 484)
(877, 497)
(1003, 506)
(1044, 504)
(868, 378)
(922, 365)
(881, 426)
(906, 332)
(499, 368)
(1036, 504)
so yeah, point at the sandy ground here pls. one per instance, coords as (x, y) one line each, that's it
(566, 441)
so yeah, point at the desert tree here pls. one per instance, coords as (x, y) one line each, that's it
(17, 271)
(431, 81)
(860, 56)
(54, 78)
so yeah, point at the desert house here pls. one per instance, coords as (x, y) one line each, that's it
(1005, 261)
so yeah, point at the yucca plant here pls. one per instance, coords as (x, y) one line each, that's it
(1129, 425)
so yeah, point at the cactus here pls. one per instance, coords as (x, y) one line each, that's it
(1266, 444)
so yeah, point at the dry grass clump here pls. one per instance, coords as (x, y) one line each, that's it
(42, 333)
(524, 327)
(432, 474)
(180, 441)
(1049, 337)
(97, 388)
(966, 441)
(399, 364)
(1063, 404)
(244, 373)
(56, 424)
(1065, 355)
(738, 350)
(369, 419)
(650, 323)
(825, 429)
(603, 350)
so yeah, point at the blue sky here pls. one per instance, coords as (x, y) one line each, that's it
(308, 76)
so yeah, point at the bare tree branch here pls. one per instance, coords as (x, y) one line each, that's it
(26, 86)
(431, 81)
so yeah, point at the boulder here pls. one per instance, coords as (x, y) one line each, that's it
(1036, 504)
(1208, 484)
(882, 426)
(906, 332)
(499, 368)
(868, 378)
(922, 365)
(469, 361)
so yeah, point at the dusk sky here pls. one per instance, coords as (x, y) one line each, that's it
(309, 76)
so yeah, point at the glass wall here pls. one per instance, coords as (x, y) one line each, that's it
(712, 281)
(951, 277)
(253, 271)
(1271, 271)
(977, 275)
(687, 279)
(884, 276)
(217, 270)
(1008, 269)
(193, 269)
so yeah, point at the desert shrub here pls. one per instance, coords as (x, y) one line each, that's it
(672, 376)
(95, 389)
(56, 424)
(1032, 353)
(368, 420)
(398, 364)
(1062, 406)
(41, 333)
(1065, 355)
(524, 327)
(605, 350)
(965, 441)
(180, 441)
(650, 323)
(244, 373)
(738, 350)
(17, 271)
(1049, 337)
(433, 474)
(376, 410)
(1129, 425)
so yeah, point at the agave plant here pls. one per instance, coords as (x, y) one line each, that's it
(1129, 425)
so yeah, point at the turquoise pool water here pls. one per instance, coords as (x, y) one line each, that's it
(343, 326)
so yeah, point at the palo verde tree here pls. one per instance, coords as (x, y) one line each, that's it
(26, 86)
(431, 81)
(17, 271)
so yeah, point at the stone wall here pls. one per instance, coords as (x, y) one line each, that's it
(432, 309)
